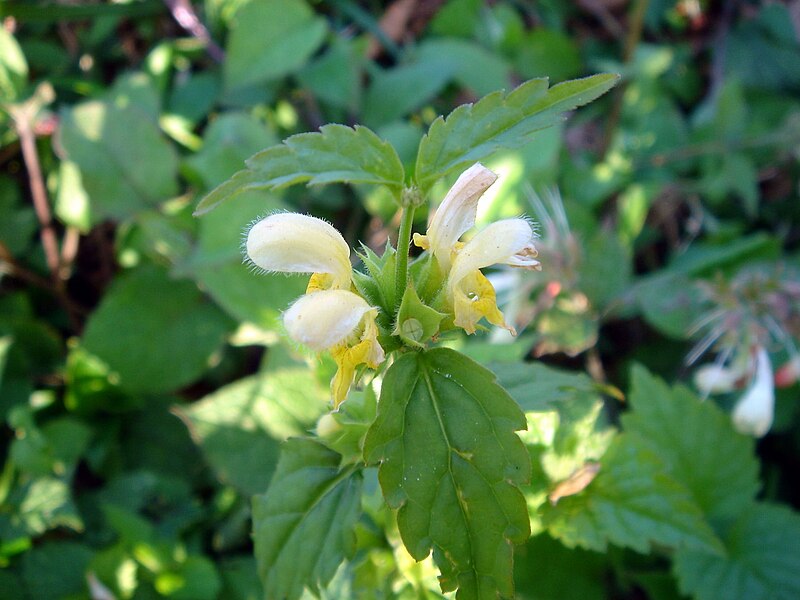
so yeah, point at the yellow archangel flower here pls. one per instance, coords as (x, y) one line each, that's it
(344, 324)
(506, 242)
(329, 317)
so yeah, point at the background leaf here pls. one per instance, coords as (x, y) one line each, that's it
(310, 504)
(270, 39)
(125, 163)
(240, 426)
(762, 559)
(451, 463)
(631, 503)
(697, 443)
(157, 333)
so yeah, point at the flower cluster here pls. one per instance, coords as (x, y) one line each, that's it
(333, 316)
(752, 320)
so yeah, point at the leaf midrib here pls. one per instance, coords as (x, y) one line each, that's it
(320, 497)
(450, 449)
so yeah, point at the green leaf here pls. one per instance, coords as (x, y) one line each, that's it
(451, 464)
(227, 142)
(156, 332)
(336, 154)
(270, 39)
(217, 265)
(18, 225)
(545, 570)
(548, 53)
(537, 387)
(697, 443)
(378, 286)
(303, 525)
(125, 163)
(239, 426)
(630, 503)
(44, 503)
(335, 77)
(56, 570)
(396, 92)
(762, 560)
(474, 131)
(13, 68)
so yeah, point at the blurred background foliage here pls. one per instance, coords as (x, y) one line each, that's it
(145, 386)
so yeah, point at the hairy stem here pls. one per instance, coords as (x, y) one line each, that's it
(403, 243)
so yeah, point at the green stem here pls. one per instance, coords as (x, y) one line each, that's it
(403, 243)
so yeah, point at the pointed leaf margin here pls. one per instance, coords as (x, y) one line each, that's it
(310, 503)
(334, 154)
(474, 131)
(451, 464)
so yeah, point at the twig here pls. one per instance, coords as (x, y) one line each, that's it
(184, 14)
(22, 122)
(69, 250)
(24, 116)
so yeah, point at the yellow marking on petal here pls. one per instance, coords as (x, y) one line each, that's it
(475, 298)
(319, 282)
(422, 241)
(366, 352)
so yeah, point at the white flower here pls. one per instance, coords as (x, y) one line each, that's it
(456, 214)
(507, 242)
(341, 322)
(295, 243)
(755, 410)
(718, 379)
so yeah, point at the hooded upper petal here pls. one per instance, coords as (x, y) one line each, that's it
(295, 243)
(456, 214)
(508, 242)
(326, 318)
(471, 294)
(755, 410)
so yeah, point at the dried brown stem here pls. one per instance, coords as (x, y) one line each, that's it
(184, 14)
(27, 140)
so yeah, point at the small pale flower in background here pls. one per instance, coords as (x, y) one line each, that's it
(719, 379)
(754, 412)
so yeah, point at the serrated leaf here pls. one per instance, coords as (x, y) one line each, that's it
(303, 525)
(239, 427)
(631, 503)
(450, 462)
(762, 560)
(697, 443)
(473, 131)
(335, 154)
